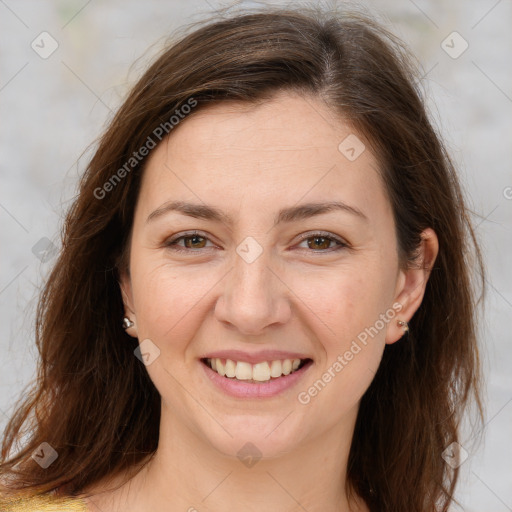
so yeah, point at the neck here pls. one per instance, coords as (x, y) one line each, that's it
(187, 474)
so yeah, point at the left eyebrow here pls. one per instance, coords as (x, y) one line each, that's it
(285, 215)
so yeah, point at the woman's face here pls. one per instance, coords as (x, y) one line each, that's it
(270, 274)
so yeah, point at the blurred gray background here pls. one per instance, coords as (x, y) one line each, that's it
(65, 66)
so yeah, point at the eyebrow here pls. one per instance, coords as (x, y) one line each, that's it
(291, 214)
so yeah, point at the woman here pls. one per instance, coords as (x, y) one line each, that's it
(263, 297)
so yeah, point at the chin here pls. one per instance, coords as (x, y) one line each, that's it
(255, 436)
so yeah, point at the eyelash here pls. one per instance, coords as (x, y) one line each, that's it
(171, 244)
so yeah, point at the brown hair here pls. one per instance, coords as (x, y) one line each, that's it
(93, 401)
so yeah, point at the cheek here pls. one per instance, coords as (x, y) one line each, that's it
(347, 310)
(346, 300)
(168, 300)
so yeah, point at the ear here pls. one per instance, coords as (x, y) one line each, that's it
(125, 284)
(411, 284)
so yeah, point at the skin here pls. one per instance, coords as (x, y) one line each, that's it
(251, 161)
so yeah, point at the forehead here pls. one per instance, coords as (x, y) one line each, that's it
(239, 155)
(291, 124)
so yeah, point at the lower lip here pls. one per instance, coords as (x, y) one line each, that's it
(240, 389)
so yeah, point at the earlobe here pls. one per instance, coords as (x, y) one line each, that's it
(412, 283)
(130, 327)
(396, 331)
(129, 320)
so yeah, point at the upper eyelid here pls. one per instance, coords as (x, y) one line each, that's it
(188, 235)
(321, 233)
(335, 238)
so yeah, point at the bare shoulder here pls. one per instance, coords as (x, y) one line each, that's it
(106, 495)
(113, 493)
(105, 501)
(96, 498)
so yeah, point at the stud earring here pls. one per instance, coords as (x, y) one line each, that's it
(127, 323)
(403, 324)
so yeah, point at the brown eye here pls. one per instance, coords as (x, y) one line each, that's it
(322, 242)
(189, 242)
(194, 242)
(319, 242)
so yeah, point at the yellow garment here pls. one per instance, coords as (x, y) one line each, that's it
(44, 503)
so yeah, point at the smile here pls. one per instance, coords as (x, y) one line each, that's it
(265, 379)
(259, 372)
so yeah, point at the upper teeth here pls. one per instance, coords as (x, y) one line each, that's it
(259, 371)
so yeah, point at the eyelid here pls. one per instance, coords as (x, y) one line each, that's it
(325, 234)
(188, 234)
(304, 236)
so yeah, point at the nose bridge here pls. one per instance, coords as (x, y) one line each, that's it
(252, 279)
(252, 297)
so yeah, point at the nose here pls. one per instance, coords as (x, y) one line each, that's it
(254, 297)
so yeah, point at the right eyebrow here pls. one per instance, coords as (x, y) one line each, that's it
(290, 214)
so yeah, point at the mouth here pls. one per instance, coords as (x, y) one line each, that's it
(259, 373)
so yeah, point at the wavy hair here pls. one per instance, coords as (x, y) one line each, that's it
(93, 401)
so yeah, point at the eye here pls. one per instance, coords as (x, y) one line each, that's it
(191, 241)
(317, 242)
(321, 242)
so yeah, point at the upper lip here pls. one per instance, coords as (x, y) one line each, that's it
(254, 357)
